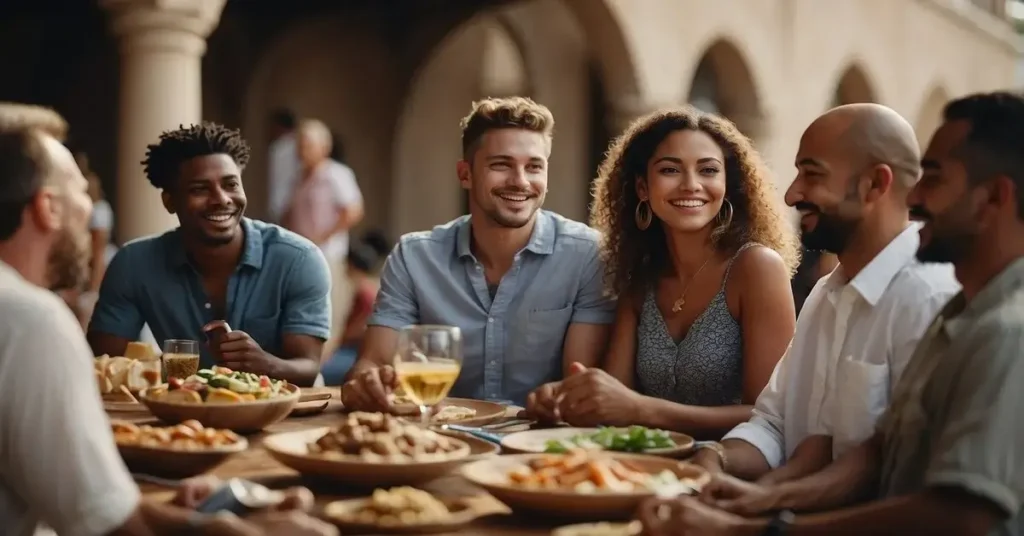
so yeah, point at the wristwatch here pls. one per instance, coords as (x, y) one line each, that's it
(779, 524)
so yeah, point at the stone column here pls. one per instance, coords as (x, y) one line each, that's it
(161, 45)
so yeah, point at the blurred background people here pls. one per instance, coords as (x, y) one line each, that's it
(282, 163)
(325, 203)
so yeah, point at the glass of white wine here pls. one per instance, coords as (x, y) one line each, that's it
(427, 363)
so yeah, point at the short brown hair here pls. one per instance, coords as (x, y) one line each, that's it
(508, 112)
(15, 117)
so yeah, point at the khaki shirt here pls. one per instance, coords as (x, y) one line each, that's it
(957, 418)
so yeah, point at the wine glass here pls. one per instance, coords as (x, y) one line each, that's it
(427, 363)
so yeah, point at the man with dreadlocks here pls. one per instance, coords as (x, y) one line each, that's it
(269, 284)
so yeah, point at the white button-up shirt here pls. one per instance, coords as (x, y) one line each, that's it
(852, 341)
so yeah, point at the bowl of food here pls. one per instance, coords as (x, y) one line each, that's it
(634, 439)
(223, 398)
(407, 510)
(369, 450)
(182, 450)
(583, 484)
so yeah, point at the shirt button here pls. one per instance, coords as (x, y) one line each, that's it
(490, 320)
(207, 306)
(478, 267)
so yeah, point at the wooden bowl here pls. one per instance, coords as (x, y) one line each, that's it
(491, 475)
(291, 449)
(238, 416)
(535, 441)
(177, 463)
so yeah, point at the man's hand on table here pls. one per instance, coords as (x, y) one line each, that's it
(542, 404)
(688, 516)
(238, 351)
(290, 516)
(740, 497)
(369, 390)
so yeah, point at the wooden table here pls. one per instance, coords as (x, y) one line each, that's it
(257, 465)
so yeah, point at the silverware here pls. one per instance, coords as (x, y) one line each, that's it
(506, 424)
(475, 432)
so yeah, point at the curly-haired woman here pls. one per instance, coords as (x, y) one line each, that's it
(700, 256)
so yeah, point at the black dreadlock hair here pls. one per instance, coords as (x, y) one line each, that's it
(164, 158)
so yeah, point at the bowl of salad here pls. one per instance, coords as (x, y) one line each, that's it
(219, 397)
(632, 439)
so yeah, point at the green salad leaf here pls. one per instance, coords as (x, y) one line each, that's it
(632, 439)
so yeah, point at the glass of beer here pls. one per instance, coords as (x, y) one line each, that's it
(181, 358)
(427, 363)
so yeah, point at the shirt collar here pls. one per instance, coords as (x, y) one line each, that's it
(252, 253)
(542, 240)
(960, 314)
(874, 278)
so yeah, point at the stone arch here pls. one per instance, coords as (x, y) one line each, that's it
(426, 144)
(723, 83)
(929, 115)
(609, 47)
(853, 86)
(311, 69)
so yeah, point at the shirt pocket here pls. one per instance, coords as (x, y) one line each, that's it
(862, 395)
(265, 331)
(545, 336)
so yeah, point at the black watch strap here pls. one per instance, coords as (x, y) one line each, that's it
(779, 524)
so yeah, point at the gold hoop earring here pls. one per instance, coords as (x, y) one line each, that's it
(724, 221)
(644, 215)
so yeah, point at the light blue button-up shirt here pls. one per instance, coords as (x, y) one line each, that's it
(281, 285)
(513, 342)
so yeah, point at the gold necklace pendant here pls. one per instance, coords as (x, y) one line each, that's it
(678, 305)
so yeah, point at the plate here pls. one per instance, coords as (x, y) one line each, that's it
(491, 475)
(534, 441)
(603, 528)
(177, 463)
(464, 510)
(310, 394)
(290, 448)
(238, 416)
(486, 412)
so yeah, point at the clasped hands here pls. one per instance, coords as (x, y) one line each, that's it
(238, 351)
(586, 397)
(726, 506)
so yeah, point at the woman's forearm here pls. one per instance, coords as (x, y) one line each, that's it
(702, 422)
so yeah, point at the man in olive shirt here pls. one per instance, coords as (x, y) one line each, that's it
(949, 453)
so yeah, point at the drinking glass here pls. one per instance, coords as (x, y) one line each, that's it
(427, 363)
(181, 358)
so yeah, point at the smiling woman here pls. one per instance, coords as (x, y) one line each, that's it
(700, 256)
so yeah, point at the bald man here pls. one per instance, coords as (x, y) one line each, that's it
(860, 324)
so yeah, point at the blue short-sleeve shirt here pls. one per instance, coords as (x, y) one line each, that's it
(512, 342)
(281, 285)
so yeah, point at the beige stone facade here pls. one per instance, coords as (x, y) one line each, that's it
(393, 78)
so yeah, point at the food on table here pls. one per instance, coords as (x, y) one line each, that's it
(632, 439)
(427, 382)
(187, 436)
(219, 385)
(134, 372)
(453, 414)
(380, 437)
(603, 528)
(397, 507)
(581, 471)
